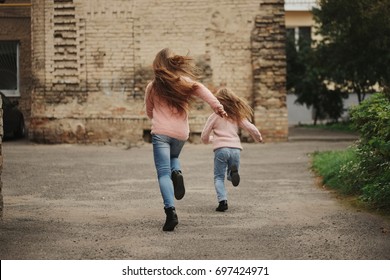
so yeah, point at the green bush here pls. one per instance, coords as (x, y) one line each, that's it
(363, 169)
(372, 119)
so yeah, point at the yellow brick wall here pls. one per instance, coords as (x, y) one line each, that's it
(92, 60)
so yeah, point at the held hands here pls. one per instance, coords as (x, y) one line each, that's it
(259, 138)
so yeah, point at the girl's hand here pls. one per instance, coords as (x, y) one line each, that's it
(221, 112)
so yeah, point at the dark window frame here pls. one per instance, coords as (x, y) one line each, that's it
(9, 68)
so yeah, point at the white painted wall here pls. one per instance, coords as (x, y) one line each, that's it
(298, 114)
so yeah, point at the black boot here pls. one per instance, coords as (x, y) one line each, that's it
(171, 220)
(235, 176)
(178, 184)
(222, 207)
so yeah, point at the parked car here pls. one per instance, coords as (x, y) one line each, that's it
(13, 120)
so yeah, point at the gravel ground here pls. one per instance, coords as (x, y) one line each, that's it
(73, 202)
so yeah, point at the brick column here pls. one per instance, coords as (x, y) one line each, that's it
(269, 71)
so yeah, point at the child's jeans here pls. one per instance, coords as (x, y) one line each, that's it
(224, 158)
(166, 151)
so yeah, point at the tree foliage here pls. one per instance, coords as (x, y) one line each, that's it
(306, 78)
(372, 119)
(355, 55)
(355, 43)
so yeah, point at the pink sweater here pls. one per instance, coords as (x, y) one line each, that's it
(225, 132)
(169, 122)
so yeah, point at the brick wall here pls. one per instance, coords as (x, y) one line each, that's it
(15, 25)
(92, 60)
(269, 71)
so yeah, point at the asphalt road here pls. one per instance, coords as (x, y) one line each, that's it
(102, 202)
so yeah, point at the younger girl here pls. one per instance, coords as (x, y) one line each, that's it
(226, 141)
(167, 101)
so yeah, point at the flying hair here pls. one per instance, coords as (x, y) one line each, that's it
(171, 83)
(236, 107)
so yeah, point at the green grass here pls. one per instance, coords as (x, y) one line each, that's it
(363, 170)
(344, 172)
(330, 166)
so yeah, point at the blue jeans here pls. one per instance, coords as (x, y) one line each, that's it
(166, 151)
(224, 158)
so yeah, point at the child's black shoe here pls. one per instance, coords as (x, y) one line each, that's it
(222, 206)
(171, 220)
(234, 175)
(178, 184)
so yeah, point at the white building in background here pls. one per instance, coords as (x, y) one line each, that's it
(299, 17)
(299, 5)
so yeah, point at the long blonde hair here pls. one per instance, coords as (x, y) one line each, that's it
(169, 70)
(236, 107)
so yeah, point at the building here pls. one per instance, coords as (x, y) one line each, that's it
(15, 59)
(15, 51)
(90, 61)
(299, 17)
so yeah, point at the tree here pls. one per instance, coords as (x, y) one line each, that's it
(355, 43)
(306, 79)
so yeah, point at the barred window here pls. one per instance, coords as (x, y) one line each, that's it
(9, 68)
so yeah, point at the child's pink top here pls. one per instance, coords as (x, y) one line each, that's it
(225, 132)
(167, 121)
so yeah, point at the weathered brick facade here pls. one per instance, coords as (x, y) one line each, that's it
(92, 59)
(269, 71)
(15, 25)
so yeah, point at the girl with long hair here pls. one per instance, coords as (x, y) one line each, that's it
(223, 134)
(167, 100)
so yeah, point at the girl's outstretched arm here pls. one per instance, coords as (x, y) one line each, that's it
(252, 130)
(205, 94)
(207, 129)
(148, 101)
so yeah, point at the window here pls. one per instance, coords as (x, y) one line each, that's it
(300, 36)
(9, 68)
(298, 44)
